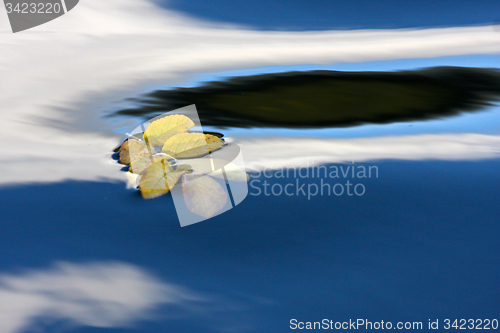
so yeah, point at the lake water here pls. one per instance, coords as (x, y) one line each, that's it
(81, 253)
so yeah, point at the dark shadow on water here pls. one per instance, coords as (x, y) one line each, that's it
(319, 99)
(421, 243)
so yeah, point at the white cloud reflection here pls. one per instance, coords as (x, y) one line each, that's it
(61, 74)
(281, 152)
(102, 294)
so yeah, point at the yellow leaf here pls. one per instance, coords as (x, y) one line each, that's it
(141, 159)
(158, 179)
(129, 148)
(191, 145)
(159, 131)
(204, 196)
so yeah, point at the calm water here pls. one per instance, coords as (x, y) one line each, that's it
(421, 243)
(81, 253)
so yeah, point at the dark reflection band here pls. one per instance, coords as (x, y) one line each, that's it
(329, 98)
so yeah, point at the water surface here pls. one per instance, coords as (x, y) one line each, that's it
(81, 253)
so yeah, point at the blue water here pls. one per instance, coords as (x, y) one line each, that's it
(422, 243)
(326, 15)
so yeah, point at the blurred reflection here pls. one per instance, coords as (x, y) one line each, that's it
(100, 294)
(328, 98)
(126, 46)
(279, 152)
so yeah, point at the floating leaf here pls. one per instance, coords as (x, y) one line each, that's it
(191, 145)
(141, 160)
(129, 148)
(159, 131)
(203, 195)
(158, 179)
(124, 155)
(135, 136)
